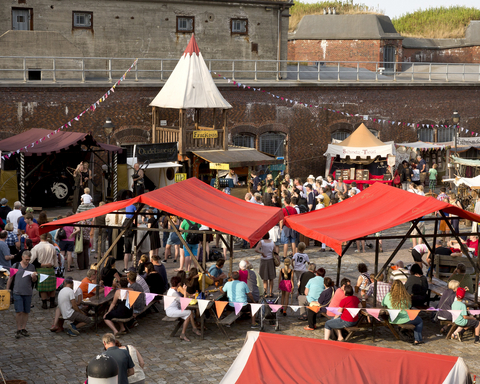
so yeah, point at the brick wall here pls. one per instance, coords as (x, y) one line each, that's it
(308, 129)
(454, 55)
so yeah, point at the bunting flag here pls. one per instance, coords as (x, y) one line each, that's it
(76, 285)
(294, 308)
(393, 313)
(455, 314)
(60, 282)
(474, 312)
(353, 311)
(334, 310)
(13, 271)
(123, 294)
(43, 277)
(255, 308)
(202, 305)
(167, 301)
(412, 313)
(133, 296)
(106, 291)
(238, 307)
(150, 296)
(27, 273)
(375, 312)
(91, 287)
(184, 302)
(220, 306)
(127, 298)
(314, 308)
(274, 307)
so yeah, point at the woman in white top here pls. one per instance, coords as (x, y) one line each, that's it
(139, 376)
(267, 265)
(175, 310)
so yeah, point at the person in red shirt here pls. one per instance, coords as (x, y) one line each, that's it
(338, 296)
(32, 229)
(289, 236)
(346, 319)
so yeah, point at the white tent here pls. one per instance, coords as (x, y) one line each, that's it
(472, 182)
(190, 85)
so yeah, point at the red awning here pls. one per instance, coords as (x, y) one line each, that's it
(273, 358)
(194, 200)
(55, 143)
(376, 209)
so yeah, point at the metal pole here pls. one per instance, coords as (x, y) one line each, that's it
(339, 265)
(115, 177)
(204, 257)
(231, 254)
(22, 179)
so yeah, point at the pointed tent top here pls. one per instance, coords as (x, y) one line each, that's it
(362, 138)
(192, 47)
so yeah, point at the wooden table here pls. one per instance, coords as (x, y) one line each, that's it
(439, 287)
(96, 303)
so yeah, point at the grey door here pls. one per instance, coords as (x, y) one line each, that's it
(389, 58)
(20, 19)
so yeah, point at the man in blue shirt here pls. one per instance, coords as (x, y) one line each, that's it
(314, 288)
(238, 292)
(216, 271)
(121, 356)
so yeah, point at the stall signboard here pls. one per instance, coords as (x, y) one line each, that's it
(180, 177)
(223, 166)
(210, 134)
(157, 153)
(391, 160)
(468, 140)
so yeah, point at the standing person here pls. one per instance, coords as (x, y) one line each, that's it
(67, 243)
(193, 240)
(174, 240)
(341, 187)
(46, 255)
(432, 178)
(100, 234)
(267, 265)
(12, 239)
(138, 180)
(128, 237)
(285, 283)
(422, 167)
(83, 259)
(126, 367)
(22, 292)
(4, 209)
(405, 175)
(155, 243)
(32, 229)
(417, 253)
(5, 254)
(463, 320)
(13, 216)
(289, 236)
(300, 261)
(310, 198)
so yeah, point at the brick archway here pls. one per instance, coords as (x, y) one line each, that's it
(130, 135)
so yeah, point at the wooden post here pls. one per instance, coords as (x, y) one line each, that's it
(377, 248)
(204, 259)
(432, 258)
(339, 265)
(182, 135)
(225, 130)
(231, 254)
(154, 125)
(214, 116)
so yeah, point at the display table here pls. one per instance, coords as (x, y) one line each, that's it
(361, 183)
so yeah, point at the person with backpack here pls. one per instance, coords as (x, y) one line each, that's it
(22, 287)
(192, 239)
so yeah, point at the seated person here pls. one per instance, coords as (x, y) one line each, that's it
(417, 286)
(323, 301)
(399, 298)
(154, 280)
(363, 280)
(382, 289)
(398, 272)
(139, 304)
(91, 278)
(471, 242)
(110, 276)
(118, 309)
(444, 251)
(445, 303)
(460, 274)
(67, 303)
(249, 277)
(238, 292)
(344, 320)
(313, 289)
(141, 265)
(338, 296)
(193, 285)
(140, 280)
(175, 310)
(160, 268)
(216, 272)
(464, 321)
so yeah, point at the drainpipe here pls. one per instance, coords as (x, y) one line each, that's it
(279, 48)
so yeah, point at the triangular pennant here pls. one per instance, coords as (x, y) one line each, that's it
(202, 305)
(76, 284)
(167, 301)
(314, 308)
(455, 314)
(334, 310)
(255, 308)
(220, 306)
(374, 312)
(13, 271)
(106, 290)
(184, 301)
(91, 287)
(150, 296)
(127, 301)
(133, 296)
(353, 311)
(123, 294)
(43, 277)
(393, 313)
(474, 312)
(27, 273)
(238, 307)
(294, 307)
(59, 282)
(413, 313)
(274, 307)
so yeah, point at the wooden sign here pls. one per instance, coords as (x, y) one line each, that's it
(222, 166)
(205, 134)
(180, 177)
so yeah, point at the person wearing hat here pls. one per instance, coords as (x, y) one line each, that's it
(4, 209)
(310, 180)
(463, 320)
(320, 204)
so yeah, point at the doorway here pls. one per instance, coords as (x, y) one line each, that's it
(389, 58)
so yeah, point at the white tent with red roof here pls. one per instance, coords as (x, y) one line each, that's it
(190, 85)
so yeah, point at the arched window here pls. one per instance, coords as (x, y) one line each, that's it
(425, 134)
(244, 140)
(340, 134)
(272, 143)
(445, 134)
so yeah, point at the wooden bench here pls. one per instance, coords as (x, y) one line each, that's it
(230, 319)
(144, 310)
(452, 327)
(450, 262)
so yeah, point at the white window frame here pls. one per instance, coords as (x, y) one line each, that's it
(236, 26)
(87, 21)
(182, 24)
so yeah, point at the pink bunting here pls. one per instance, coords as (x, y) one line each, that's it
(334, 310)
(59, 281)
(149, 297)
(13, 271)
(184, 301)
(375, 312)
(238, 307)
(274, 307)
(474, 312)
(107, 290)
(167, 301)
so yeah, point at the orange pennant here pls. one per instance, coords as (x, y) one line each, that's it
(412, 314)
(133, 296)
(220, 306)
(314, 308)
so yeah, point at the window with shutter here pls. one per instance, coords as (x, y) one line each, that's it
(239, 26)
(82, 20)
(185, 24)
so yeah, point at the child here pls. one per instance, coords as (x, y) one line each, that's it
(300, 261)
(285, 283)
(463, 320)
(420, 190)
(432, 178)
(86, 198)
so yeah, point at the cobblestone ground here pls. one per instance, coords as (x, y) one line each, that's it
(47, 357)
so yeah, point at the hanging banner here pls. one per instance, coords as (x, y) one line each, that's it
(222, 166)
(157, 153)
(468, 140)
(180, 177)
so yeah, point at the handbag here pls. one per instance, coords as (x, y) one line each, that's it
(276, 259)
(79, 242)
(396, 180)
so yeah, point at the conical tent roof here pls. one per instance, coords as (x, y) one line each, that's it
(362, 137)
(190, 85)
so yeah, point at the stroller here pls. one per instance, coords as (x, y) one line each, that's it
(266, 313)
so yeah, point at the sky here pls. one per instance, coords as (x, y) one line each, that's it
(395, 8)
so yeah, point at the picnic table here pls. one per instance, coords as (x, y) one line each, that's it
(213, 294)
(97, 303)
(439, 287)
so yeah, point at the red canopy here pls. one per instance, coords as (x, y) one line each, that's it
(376, 209)
(194, 200)
(57, 142)
(272, 358)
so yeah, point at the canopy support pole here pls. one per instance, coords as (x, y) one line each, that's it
(399, 246)
(432, 258)
(22, 179)
(115, 177)
(339, 266)
(231, 255)
(377, 248)
(204, 265)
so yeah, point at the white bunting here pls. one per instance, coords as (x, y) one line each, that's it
(353, 311)
(43, 277)
(27, 273)
(202, 305)
(255, 308)
(167, 301)
(455, 314)
(123, 294)
(76, 284)
(91, 287)
(294, 307)
(393, 313)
